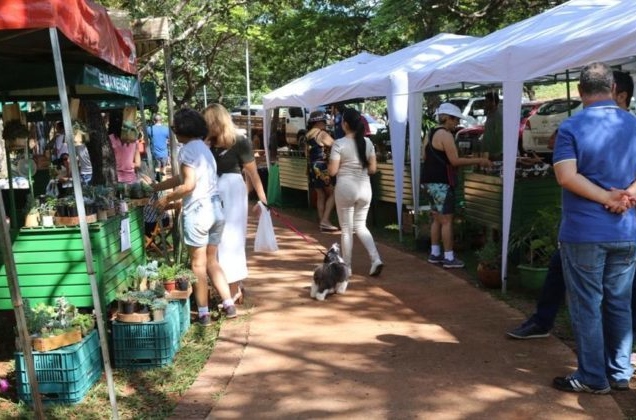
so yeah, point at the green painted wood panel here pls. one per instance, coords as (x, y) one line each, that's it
(50, 262)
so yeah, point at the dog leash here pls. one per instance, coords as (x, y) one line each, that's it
(289, 224)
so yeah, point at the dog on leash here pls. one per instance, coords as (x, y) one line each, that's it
(331, 276)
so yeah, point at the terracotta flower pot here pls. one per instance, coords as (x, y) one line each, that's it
(489, 278)
(169, 285)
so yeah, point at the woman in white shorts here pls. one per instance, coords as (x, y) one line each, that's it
(202, 214)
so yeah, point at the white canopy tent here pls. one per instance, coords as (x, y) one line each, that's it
(293, 93)
(565, 37)
(384, 76)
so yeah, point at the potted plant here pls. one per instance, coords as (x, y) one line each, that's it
(158, 307)
(536, 241)
(184, 278)
(167, 274)
(32, 218)
(47, 211)
(56, 326)
(84, 322)
(144, 300)
(127, 302)
(489, 265)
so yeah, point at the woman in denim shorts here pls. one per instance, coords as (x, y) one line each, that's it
(202, 213)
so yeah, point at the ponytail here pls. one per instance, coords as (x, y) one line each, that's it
(354, 120)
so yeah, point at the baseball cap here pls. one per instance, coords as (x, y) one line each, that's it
(450, 109)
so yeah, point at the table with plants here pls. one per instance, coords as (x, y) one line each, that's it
(50, 257)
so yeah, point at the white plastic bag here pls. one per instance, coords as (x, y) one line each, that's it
(51, 189)
(265, 240)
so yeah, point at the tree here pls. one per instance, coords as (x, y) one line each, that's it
(289, 38)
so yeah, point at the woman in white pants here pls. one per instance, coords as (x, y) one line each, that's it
(353, 159)
(234, 155)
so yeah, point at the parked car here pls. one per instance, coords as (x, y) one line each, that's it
(375, 126)
(546, 120)
(468, 138)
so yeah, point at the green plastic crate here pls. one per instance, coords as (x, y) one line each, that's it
(64, 375)
(148, 344)
(183, 307)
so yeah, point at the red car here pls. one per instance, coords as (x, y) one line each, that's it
(468, 138)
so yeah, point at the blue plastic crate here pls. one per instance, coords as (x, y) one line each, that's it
(64, 375)
(148, 344)
(183, 306)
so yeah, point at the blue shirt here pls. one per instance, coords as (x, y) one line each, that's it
(602, 140)
(159, 137)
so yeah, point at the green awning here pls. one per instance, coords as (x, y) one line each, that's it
(33, 82)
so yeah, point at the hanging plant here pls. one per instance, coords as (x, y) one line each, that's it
(15, 133)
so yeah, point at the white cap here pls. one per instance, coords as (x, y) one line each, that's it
(450, 109)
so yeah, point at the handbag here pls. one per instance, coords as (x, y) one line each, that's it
(265, 240)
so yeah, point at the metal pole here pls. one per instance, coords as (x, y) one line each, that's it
(81, 212)
(151, 162)
(249, 103)
(167, 57)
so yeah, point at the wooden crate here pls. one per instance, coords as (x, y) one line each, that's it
(73, 221)
(56, 341)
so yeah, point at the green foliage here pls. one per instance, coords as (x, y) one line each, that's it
(30, 206)
(45, 320)
(287, 39)
(537, 239)
(168, 272)
(489, 256)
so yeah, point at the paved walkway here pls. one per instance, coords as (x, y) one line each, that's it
(418, 342)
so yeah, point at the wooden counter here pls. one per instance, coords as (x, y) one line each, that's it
(483, 195)
(50, 262)
(293, 174)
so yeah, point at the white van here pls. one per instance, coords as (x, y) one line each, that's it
(295, 123)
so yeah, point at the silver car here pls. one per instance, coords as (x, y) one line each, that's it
(541, 125)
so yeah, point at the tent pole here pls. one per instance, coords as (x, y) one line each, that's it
(151, 162)
(81, 212)
(18, 308)
(167, 58)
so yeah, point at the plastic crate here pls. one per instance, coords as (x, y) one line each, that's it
(148, 344)
(183, 307)
(64, 375)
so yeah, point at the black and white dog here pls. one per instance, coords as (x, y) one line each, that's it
(330, 277)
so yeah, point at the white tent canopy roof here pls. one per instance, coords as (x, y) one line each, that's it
(565, 37)
(294, 93)
(374, 78)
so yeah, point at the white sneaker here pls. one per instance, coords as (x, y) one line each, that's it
(376, 268)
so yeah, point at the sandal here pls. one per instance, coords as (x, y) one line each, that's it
(326, 227)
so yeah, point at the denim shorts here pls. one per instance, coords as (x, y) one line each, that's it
(204, 223)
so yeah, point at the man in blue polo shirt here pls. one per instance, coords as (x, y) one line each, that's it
(595, 163)
(159, 135)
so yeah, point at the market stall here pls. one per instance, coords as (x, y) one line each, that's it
(364, 77)
(529, 50)
(53, 34)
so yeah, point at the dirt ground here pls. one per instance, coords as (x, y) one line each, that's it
(416, 342)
